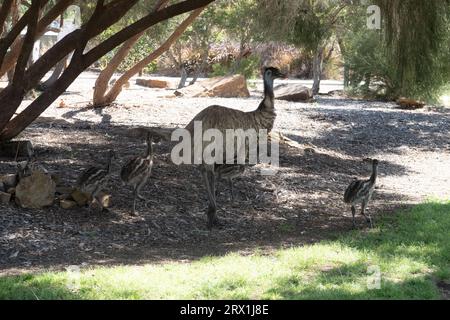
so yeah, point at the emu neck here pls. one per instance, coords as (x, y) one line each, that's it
(267, 103)
(149, 152)
(373, 177)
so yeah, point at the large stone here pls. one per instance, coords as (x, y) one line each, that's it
(225, 87)
(293, 92)
(36, 191)
(152, 83)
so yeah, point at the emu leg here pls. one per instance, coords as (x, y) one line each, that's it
(212, 184)
(135, 195)
(353, 216)
(231, 188)
(209, 180)
(368, 218)
(138, 190)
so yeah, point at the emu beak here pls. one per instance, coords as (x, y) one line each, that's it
(282, 76)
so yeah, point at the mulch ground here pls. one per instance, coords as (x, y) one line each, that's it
(301, 204)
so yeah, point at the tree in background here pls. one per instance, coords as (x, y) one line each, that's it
(104, 15)
(214, 37)
(417, 38)
(407, 57)
(308, 24)
(101, 97)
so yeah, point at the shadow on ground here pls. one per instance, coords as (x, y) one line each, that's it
(302, 203)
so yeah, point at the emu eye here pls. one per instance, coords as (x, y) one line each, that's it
(269, 72)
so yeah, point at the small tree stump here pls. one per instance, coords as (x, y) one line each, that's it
(16, 149)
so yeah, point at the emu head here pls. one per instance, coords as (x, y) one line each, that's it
(271, 73)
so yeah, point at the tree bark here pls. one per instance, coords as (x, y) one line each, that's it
(77, 40)
(59, 69)
(116, 89)
(4, 13)
(7, 60)
(317, 70)
(101, 84)
(183, 77)
(343, 54)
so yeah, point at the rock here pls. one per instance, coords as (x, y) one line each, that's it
(293, 92)
(36, 191)
(405, 103)
(8, 180)
(225, 87)
(81, 198)
(67, 204)
(2, 187)
(5, 197)
(152, 83)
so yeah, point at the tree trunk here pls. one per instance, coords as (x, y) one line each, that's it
(8, 59)
(343, 54)
(101, 84)
(183, 77)
(59, 69)
(4, 13)
(105, 16)
(201, 67)
(317, 70)
(116, 89)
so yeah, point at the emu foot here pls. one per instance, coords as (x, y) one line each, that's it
(134, 213)
(213, 221)
(216, 223)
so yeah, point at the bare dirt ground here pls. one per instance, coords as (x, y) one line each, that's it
(301, 204)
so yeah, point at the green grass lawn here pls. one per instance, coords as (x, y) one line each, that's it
(411, 249)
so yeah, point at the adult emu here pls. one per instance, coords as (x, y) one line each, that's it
(222, 118)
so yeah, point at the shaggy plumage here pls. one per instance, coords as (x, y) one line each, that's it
(137, 170)
(222, 118)
(360, 191)
(94, 179)
(229, 172)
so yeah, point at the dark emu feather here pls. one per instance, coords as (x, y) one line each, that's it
(137, 170)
